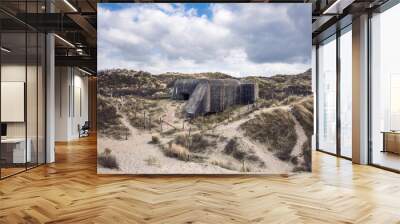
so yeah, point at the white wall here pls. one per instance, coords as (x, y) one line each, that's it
(62, 81)
(33, 126)
(70, 84)
(314, 90)
(16, 73)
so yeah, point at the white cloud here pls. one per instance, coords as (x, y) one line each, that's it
(238, 39)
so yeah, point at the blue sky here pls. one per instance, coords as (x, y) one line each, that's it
(201, 8)
(238, 39)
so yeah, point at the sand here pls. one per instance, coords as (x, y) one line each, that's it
(136, 156)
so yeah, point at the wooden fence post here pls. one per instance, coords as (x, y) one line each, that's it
(189, 140)
(160, 125)
(150, 122)
(144, 120)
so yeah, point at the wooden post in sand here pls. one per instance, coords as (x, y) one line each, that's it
(190, 129)
(144, 120)
(160, 125)
(150, 122)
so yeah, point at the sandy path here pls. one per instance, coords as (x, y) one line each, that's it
(273, 164)
(301, 139)
(133, 154)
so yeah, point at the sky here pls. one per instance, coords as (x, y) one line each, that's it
(237, 39)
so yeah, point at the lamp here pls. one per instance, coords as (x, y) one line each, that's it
(5, 50)
(70, 5)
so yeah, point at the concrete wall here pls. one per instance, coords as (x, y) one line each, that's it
(213, 95)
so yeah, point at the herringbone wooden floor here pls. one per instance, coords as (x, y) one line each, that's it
(70, 191)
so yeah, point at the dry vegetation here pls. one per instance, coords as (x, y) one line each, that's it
(139, 98)
(177, 151)
(152, 161)
(107, 160)
(109, 123)
(303, 111)
(275, 129)
(280, 87)
(241, 152)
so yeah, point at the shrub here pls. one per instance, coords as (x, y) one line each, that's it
(152, 161)
(291, 99)
(177, 151)
(294, 160)
(233, 148)
(198, 143)
(170, 131)
(109, 123)
(306, 166)
(107, 160)
(307, 155)
(283, 155)
(155, 140)
(241, 152)
(303, 112)
(181, 140)
(226, 165)
(275, 128)
(245, 168)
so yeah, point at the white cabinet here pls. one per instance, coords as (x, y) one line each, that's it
(17, 147)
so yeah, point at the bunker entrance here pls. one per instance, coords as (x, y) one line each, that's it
(185, 96)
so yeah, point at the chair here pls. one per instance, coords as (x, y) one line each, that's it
(84, 130)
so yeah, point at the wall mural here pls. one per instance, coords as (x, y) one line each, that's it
(204, 88)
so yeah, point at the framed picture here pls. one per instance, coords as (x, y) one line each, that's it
(204, 88)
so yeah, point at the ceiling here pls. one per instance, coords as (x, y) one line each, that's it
(73, 21)
(332, 15)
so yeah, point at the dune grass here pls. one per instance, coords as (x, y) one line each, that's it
(276, 129)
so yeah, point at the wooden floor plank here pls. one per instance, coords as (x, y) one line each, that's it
(70, 191)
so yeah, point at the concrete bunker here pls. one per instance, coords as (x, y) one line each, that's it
(213, 95)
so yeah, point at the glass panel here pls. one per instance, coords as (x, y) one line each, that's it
(13, 87)
(32, 88)
(385, 89)
(41, 99)
(346, 93)
(327, 96)
(23, 90)
(31, 98)
(314, 75)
